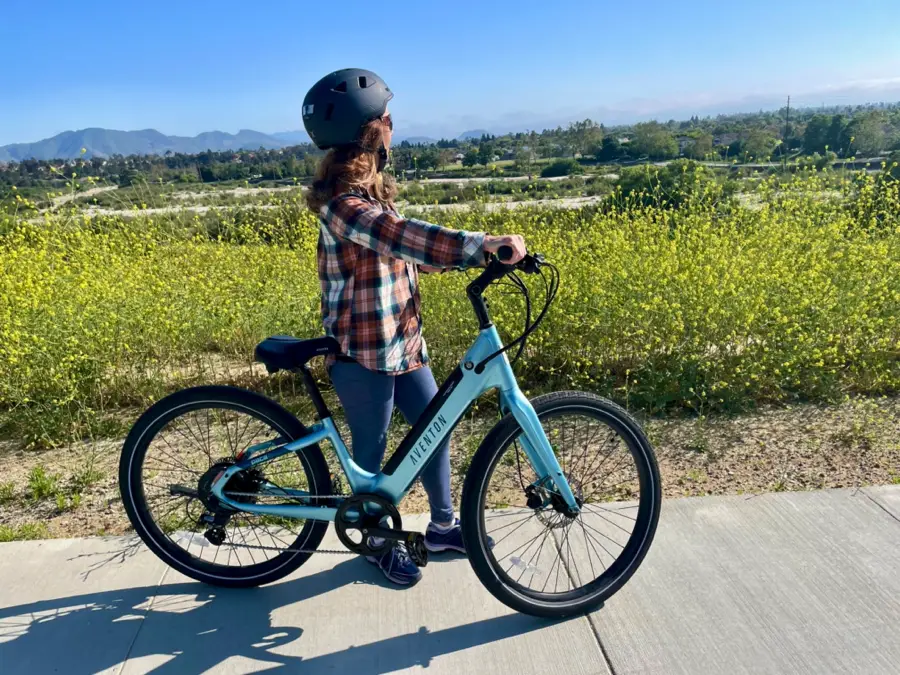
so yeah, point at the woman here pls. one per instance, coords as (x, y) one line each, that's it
(369, 260)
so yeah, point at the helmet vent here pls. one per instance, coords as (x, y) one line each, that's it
(328, 111)
(342, 87)
(363, 82)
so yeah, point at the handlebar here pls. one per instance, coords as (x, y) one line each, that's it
(530, 264)
(495, 270)
(504, 253)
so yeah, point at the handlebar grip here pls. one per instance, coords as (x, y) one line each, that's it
(504, 253)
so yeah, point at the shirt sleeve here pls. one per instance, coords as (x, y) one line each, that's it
(362, 222)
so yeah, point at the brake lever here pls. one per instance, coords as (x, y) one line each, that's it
(531, 264)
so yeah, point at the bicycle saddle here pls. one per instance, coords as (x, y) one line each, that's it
(283, 352)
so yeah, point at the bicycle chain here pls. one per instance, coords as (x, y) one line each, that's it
(295, 550)
(291, 550)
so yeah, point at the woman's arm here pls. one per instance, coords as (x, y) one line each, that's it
(358, 220)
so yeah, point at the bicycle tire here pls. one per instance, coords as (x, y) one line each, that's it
(133, 498)
(493, 447)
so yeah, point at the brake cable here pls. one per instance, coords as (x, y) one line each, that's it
(521, 284)
(551, 289)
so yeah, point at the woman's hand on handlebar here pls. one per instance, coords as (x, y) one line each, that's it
(515, 242)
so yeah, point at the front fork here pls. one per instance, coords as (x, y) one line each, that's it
(537, 447)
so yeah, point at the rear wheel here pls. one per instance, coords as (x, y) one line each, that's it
(175, 451)
(542, 560)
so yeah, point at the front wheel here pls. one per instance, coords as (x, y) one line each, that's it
(523, 545)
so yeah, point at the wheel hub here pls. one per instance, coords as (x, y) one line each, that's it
(217, 514)
(539, 498)
(243, 482)
(204, 485)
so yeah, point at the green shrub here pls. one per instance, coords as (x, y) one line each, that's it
(893, 165)
(670, 186)
(25, 531)
(41, 485)
(7, 492)
(562, 167)
(671, 296)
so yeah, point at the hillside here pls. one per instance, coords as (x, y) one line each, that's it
(293, 137)
(472, 134)
(417, 140)
(108, 142)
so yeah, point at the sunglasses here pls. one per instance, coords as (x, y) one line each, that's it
(388, 121)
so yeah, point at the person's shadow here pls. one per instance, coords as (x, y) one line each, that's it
(194, 627)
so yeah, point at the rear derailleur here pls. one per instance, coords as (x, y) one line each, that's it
(216, 514)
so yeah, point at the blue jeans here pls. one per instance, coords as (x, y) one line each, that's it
(368, 400)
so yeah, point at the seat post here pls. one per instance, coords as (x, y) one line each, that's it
(322, 411)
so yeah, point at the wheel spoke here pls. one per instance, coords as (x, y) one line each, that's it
(502, 527)
(197, 442)
(182, 452)
(506, 536)
(591, 453)
(605, 536)
(614, 524)
(589, 537)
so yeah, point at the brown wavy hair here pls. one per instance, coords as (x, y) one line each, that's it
(353, 168)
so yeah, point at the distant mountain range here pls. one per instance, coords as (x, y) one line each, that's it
(107, 142)
(292, 137)
(418, 140)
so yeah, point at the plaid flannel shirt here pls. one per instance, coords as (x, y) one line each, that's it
(368, 258)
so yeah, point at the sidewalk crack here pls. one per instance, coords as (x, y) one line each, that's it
(879, 505)
(146, 614)
(589, 616)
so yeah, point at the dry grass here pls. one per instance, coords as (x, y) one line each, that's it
(800, 447)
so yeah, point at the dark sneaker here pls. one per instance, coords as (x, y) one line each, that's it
(397, 566)
(447, 540)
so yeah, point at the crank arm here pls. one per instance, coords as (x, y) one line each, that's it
(415, 542)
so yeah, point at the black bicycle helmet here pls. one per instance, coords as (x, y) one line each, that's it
(340, 104)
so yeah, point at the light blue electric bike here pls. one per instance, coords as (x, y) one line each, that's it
(559, 506)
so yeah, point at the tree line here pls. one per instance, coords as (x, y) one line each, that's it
(206, 167)
(850, 131)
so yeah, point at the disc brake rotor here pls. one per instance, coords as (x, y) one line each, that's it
(553, 515)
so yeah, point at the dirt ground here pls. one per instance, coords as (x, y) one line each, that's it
(73, 491)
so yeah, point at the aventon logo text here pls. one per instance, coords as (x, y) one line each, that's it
(428, 438)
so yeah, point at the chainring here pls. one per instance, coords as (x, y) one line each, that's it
(356, 514)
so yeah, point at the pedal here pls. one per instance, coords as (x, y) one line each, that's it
(417, 550)
(415, 541)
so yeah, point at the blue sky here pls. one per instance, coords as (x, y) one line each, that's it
(190, 66)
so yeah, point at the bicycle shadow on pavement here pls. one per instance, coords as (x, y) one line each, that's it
(189, 627)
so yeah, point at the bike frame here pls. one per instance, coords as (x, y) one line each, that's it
(462, 388)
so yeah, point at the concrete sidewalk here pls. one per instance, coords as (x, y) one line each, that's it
(777, 583)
